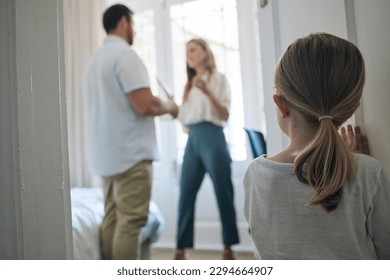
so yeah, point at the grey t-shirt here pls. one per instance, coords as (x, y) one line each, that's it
(283, 226)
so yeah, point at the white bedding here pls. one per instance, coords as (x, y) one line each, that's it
(87, 215)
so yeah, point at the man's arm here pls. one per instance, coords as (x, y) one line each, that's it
(144, 102)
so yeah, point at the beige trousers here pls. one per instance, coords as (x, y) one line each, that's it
(127, 197)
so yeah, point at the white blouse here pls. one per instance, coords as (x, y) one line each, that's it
(198, 107)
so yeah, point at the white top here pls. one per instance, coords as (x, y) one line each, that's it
(119, 137)
(198, 107)
(282, 227)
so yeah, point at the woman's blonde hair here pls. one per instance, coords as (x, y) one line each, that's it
(322, 75)
(210, 62)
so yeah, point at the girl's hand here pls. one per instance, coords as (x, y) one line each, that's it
(355, 140)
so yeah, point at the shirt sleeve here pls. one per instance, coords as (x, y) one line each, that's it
(225, 92)
(132, 73)
(380, 217)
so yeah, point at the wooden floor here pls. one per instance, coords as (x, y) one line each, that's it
(167, 254)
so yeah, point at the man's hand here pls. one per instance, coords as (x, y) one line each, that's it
(356, 141)
(174, 109)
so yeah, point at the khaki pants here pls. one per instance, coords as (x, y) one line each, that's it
(127, 197)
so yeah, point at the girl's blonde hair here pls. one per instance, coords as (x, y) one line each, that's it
(322, 75)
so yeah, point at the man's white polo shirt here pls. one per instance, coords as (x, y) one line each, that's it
(118, 136)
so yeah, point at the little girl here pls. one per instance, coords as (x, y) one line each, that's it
(316, 199)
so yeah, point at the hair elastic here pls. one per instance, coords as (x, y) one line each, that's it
(320, 118)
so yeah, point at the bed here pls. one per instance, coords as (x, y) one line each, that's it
(87, 215)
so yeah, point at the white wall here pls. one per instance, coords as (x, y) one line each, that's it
(35, 203)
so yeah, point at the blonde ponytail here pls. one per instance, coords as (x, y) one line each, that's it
(326, 165)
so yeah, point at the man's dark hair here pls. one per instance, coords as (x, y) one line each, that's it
(113, 15)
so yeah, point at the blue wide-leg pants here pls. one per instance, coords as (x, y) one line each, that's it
(206, 151)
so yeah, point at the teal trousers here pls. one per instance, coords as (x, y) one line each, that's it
(206, 151)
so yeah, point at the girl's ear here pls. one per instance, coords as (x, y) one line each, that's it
(282, 105)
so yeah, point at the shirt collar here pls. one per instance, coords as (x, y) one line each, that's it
(115, 39)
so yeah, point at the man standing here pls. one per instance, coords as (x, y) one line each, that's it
(120, 109)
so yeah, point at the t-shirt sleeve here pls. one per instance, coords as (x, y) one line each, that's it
(132, 73)
(248, 187)
(380, 217)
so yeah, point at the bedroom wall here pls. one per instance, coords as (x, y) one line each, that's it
(35, 203)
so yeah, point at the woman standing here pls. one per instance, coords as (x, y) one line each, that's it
(204, 112)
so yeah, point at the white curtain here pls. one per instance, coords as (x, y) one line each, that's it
(83, 35)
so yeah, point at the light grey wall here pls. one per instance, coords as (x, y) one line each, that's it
(373, 38)
(35, 202)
